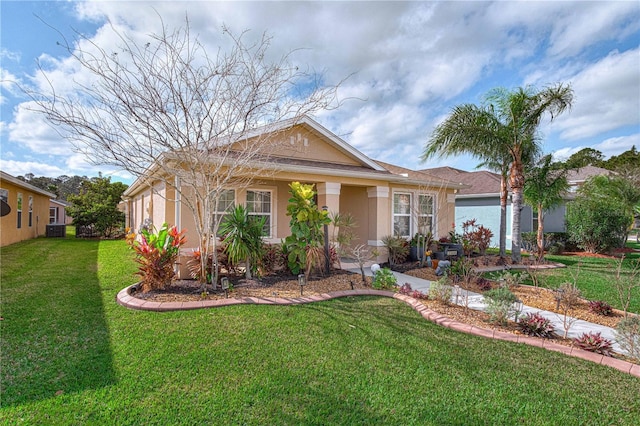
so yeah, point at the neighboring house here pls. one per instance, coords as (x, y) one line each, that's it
(481, 201)
(26, 208)
(58, 213)
(383, 199)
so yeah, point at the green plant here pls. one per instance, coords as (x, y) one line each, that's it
(596, 225)
(594, 342)
(397, 249)
(384, 279)
(600, 307)
(195, 268)
(510, 279)
(306, 228)
(243, 238)
(500, 304)
(156, 255)
(271, 258)
(441, 290)
(628, 336)
(475, 237)
(534, 324)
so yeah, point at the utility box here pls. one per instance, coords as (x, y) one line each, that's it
(56, 230)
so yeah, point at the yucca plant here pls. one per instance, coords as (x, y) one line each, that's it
(243, 238)
(157, 254)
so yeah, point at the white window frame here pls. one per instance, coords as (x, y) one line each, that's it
(217, 214)
(19, 202)
(269, 214)
(395, 215)
(428, 215)
(414, 211)
(53, 218)
(30, 211)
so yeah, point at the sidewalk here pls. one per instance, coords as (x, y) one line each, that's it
(476, 301)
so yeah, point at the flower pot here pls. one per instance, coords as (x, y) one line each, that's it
(434, 263)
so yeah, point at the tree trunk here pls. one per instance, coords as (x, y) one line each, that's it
(540, 235)
(517, 186)
(504, 194)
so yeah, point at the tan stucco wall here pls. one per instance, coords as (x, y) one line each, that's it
(40, 215)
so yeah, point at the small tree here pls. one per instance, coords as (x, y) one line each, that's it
(304, 245)
(171, 109)
(627, 286)
(544, 187)
(97, 206)
(157, 253)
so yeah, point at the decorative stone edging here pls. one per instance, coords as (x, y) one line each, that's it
(128, 301)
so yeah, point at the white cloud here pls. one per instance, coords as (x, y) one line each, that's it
(20, 168)
(31, 130)
(606, 96)
(609, 147)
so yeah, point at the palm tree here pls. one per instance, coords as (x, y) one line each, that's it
(507, 123)
(543, 189)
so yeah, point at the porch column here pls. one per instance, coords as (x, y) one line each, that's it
(379, 215)
(329, 195)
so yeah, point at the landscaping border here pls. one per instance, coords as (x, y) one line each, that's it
(125, 299)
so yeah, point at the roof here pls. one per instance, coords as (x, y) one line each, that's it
(421, 176)
(14, 180)
(478, 182)
(580, 175)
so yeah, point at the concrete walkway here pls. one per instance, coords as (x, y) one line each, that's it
(477, 302)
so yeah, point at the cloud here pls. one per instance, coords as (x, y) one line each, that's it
(20, 168)
(609, 147)
(31, 130)
(606, 96)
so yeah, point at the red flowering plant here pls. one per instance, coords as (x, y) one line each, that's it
(157, 254)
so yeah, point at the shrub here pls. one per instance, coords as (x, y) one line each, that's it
(384, 279)
(405, 289)
(271, 258)
(596, 225)
(397, 248)
(441, 290)
(600, 307)
(534, 324)
(500, 304)
(594, 342)
(628, 336)
(483, 284)
(476, 237)
(156, 253)
(510, 279)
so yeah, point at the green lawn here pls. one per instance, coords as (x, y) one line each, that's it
(595, 276)
(72, 355)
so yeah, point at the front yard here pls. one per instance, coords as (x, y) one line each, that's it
(72, 355)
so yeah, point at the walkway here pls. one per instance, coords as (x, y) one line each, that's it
(476, 301)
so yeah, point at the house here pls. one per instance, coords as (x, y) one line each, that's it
(25, 210)
(58, 213)
(481, 200)
(383, 199)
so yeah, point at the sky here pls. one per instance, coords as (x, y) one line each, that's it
(408, 64)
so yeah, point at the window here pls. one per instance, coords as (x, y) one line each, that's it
(402, 215)
(53, 215)
(19, 210)
(259, 205)
(413, 213)
(425, 214)
(226, 202)
(30, 210)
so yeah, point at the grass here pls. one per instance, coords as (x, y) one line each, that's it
(72, 355)
(594, 277)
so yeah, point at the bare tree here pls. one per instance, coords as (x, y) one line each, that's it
(166, 109)
(626, 286)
